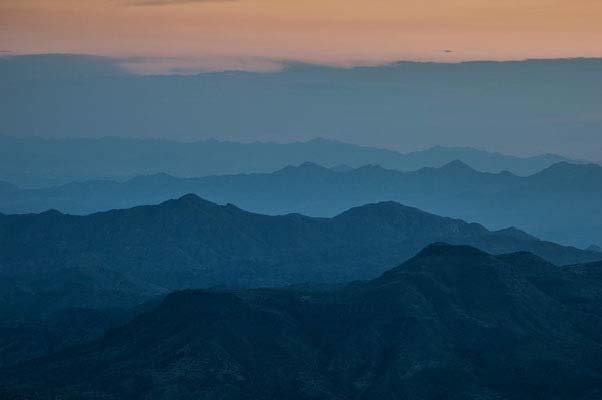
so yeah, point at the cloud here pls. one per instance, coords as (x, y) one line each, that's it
(168, 2)
(195, 65)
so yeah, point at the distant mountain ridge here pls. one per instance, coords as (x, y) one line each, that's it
(562, 203)
(45, 162)
(452, 322)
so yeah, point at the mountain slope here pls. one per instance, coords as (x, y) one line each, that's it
(452, 322)
(52, 260)
(562, 203)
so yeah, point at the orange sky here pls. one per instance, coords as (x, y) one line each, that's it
(248, 33)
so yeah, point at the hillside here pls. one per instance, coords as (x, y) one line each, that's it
(452, 322)
(50, 261)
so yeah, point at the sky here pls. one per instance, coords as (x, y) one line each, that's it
(158, 36)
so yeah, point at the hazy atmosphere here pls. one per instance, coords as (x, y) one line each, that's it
(521, 108)
(315, 200)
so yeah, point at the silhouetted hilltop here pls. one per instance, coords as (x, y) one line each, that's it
(513, 232)
(566, 176)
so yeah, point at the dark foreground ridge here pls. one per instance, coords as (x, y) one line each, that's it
(452, 322)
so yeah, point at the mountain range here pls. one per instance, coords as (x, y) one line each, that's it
(452, 322)
(36, 162)
(52, 261)
(562, 203)
(331, 245)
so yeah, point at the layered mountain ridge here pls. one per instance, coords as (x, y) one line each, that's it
(122, 257)
(122, 158)
(453, 322)
(562, 203)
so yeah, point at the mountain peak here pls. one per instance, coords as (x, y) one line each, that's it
(564, 168)
(439, 249)
(52, 213)
(191, 200)
(458, 166)
(310, 165)
(190, 197)
(383, 208)
(515, 233)
(439, 257)
(371, 167)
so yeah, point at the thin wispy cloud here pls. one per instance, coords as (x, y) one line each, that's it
(195, 65)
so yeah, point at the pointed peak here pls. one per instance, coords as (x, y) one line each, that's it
(457, 166)
(310, 165)
(371, 167)
(564, 167)
(190, 200)
(514, 232)
(442, 258)
(383, 208)
(190, 197)
(51, 212)
(438, 249)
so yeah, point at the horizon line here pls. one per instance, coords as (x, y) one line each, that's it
(293, 142)
(134, 64)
